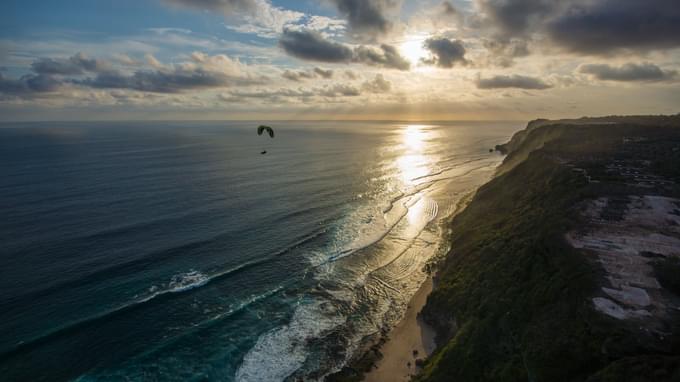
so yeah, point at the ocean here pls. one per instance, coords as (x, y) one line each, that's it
(175, 251)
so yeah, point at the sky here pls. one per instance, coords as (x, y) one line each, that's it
(337, 59)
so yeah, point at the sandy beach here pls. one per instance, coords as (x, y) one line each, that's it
(409, 336)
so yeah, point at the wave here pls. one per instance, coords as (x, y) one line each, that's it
(179, 283)
(284, 349)
(150, 259)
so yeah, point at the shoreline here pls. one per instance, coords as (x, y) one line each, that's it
(409, 341)
(388, 355)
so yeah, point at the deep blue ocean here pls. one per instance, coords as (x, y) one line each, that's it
(175, 251)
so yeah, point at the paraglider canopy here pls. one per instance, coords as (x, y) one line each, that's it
(263, 128)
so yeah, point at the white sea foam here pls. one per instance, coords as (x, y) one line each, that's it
(186, 281)
(280, 352)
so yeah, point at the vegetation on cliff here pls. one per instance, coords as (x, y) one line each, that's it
(512, 300)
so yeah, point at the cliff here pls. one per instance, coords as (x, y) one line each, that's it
(561, 266)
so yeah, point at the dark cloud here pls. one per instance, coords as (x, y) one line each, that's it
(502, 52)
(224, 6)
(627, 72)
(387, 56)
(324, 73)
(587, 26)
(378, 85)
(605, 25)
(512, 81)
(75, 65)
(29, 85)
(516, 17)
(310, 45)
(166, 81)
(448, 9)
(302, 75)
(367, 18)
(445, 53)
(297, 75)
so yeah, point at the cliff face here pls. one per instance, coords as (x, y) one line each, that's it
(520, 298)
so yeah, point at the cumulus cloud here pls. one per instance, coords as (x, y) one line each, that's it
(202, 72)
(302, 75)
(256, 16)
(80, 72)
(28, 85)
(502, 52)
(312, 46)
(378, 85)
(627, 72)
(515, 17)
(339, 90)
(161, 81)
(445, 53)
(605, 25)
(327, 91)
(76, 64)
(386, 56)
(511, 81)
(298, 75)
(367, 18)
(48, 73)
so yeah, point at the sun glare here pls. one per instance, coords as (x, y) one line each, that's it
(412, 49)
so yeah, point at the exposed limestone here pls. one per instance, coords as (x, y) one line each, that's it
(643, 229)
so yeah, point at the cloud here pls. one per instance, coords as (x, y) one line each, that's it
(627, 72)
(511, 81)
(312, 46)
(367, 18)
(445, 53)
(29, 85)
(605, 25)
(297, 75)
(202, 72)
(174, 80)
(159, 81)
(327, 91)
(224, 6)
(448, 9)
(387, 56)
(350, 75)
(339, 90)
(586, 26)
(302, 75)
(515, 17)
(257, 16)
(77, 64)
(324, 73)
(378, 85)
(502, 52)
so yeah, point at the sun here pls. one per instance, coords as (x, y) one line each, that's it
(412, 49)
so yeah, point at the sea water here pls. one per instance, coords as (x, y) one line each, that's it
(177, 251)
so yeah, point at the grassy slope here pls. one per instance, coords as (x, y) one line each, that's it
(513, 299)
